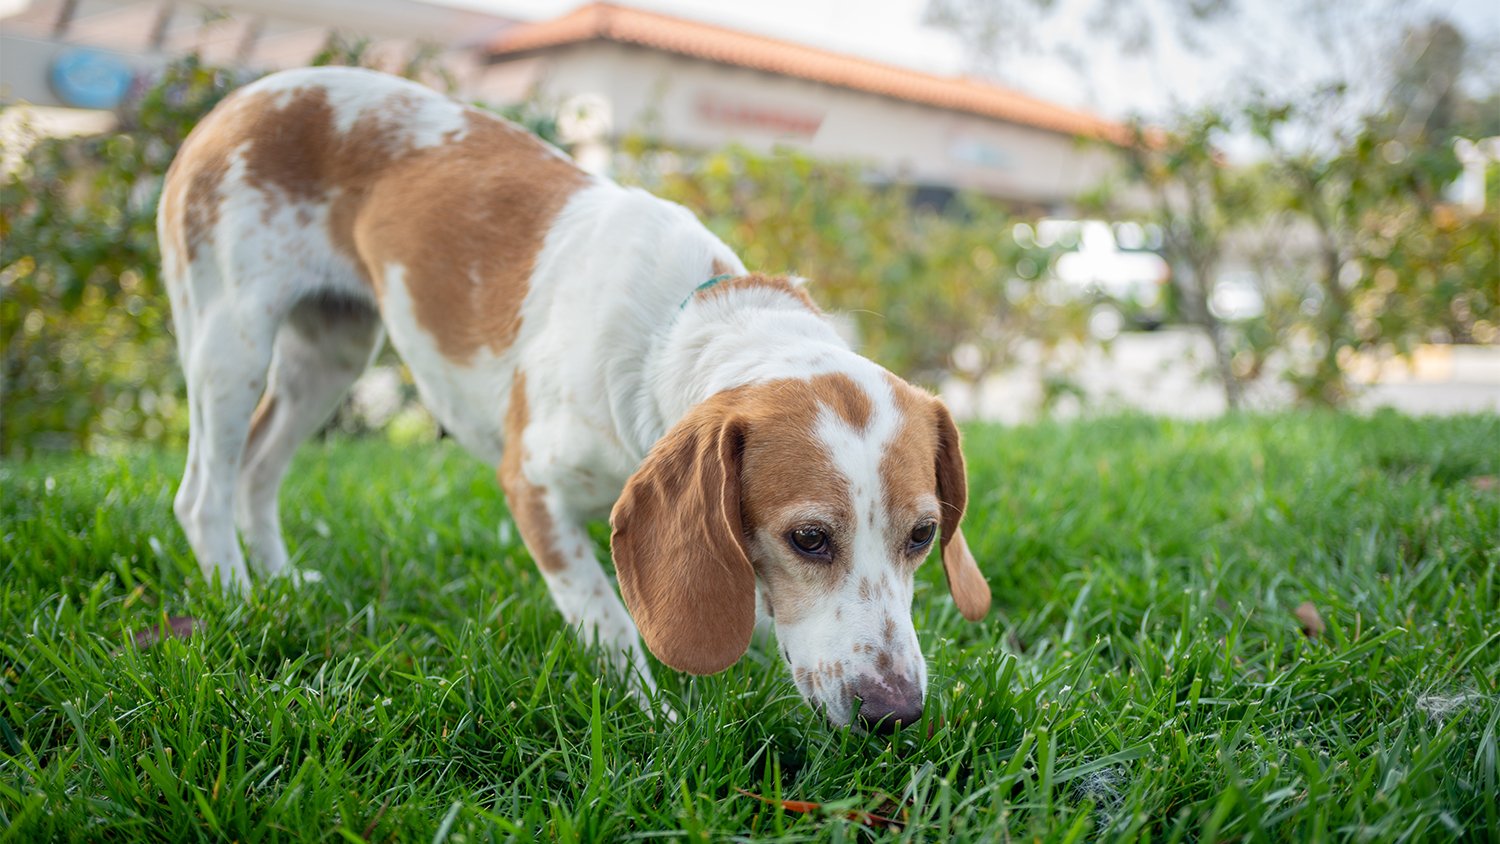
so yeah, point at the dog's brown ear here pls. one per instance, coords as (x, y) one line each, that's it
(970, 591)
(679, 546)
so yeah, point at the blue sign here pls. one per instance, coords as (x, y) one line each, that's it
(86, 78)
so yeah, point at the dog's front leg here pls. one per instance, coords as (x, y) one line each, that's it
(565, 555)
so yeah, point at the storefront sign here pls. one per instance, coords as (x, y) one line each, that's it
(85, 78)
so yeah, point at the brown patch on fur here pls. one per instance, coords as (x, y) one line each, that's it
(787, 467)
(926, 456)
(260, 421)
(527, 502)
(847, 398)
(190, 197)
(908, 469)
(786, 463)
(721, 268)
(468, 220)
(292, 147)
(780, 284)
(465, 218)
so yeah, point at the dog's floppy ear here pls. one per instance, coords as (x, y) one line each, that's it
(679, 546)
(970, 591)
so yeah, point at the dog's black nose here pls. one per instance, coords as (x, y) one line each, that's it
(885, 704)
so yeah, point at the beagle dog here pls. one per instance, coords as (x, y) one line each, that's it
(596, 344)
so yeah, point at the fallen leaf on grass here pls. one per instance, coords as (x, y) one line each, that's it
(1312, 623)
(870, 819)
(178, 627)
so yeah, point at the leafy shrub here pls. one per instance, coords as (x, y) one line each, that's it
(85, 325)
(917, 284)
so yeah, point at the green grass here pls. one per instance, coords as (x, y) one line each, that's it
(1143, 674)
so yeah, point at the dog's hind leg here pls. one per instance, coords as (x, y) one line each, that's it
(320, 350)
(225, 360)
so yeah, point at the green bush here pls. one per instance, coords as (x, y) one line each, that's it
(917, 284)
(89, 356)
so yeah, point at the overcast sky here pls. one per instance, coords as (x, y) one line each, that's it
(1271, 42)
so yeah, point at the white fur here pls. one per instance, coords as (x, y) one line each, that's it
(613, 357)
(355, 93)
(468, 399)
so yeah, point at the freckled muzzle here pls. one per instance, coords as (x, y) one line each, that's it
(887, 702)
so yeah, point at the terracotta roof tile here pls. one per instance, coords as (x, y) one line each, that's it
(608, 22)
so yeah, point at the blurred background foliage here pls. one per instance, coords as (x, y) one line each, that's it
(89, 355)
(1357, 252)
(1341, 211)
(914, 284)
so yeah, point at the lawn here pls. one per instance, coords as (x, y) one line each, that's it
(1145, 673)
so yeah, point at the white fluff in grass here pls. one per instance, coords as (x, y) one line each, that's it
(1105, 787)
(1441, 707)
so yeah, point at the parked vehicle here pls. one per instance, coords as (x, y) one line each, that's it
(1236, 297)
(1112, 265)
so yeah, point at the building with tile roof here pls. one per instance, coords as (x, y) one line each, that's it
(611, 69)
(698, 85)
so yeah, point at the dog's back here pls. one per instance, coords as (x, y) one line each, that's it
(281, 222)
(330, 175)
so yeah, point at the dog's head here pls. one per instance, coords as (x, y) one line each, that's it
(821, 496)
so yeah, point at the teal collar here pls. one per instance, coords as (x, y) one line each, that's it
(704, 286)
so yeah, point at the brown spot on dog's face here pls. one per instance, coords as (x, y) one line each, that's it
(844, 397)
(789, 482)
(907, 469)
(927, 456)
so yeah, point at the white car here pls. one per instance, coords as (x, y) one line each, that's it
(1126, 280)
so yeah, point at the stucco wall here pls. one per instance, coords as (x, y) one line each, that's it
(702, 104)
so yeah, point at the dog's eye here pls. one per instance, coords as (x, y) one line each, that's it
(810, 541)
(922, 534)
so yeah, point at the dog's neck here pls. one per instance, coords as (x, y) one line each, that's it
(720, 339)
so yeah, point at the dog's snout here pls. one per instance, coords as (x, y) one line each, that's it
(885, 703)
